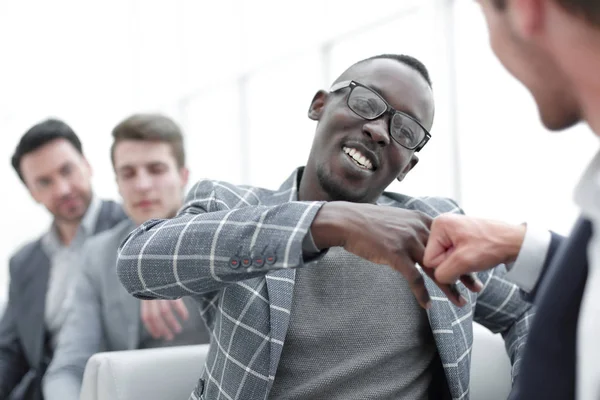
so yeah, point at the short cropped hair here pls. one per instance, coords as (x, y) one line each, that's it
(150, 127)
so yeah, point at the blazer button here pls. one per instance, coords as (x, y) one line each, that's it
(234, 262)
(258, 261)
(246, 262)
(270, 259)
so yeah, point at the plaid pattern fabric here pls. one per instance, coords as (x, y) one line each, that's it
(235, 249)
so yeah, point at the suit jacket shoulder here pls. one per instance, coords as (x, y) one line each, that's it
(111, 213)
(96, 247)
(432, 206)
(30, 254)
(109, 236)
(211, 193)
(25, 250)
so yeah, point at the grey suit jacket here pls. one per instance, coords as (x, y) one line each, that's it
(102, 317)
(237, 249)
(24, 351)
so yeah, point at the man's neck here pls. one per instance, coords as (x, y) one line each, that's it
(310, 190)
(587, 81)
(67, 231)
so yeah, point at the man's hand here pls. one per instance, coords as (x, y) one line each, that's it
(459, 245)
(383, 235)
(159, 317)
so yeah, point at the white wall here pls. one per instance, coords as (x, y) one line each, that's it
(240, 80)
(511, 167)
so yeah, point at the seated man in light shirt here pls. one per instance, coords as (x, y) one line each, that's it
(149, 162)
(50, 161)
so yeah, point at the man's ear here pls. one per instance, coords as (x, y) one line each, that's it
(527, 16)
(414, 160)
(317, 105)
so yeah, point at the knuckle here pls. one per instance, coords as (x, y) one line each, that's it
(412, 248)
(444, 220)
(464, 258)
(390, 243)
(401, 252)
(165, 311)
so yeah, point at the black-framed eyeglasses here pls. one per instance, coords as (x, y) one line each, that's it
(368, 104)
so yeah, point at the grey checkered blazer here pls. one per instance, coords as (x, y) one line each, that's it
(235, 249)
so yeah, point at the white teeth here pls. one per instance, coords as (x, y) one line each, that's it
(359, 158)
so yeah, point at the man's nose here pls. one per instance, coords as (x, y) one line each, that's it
(143, 181)
(377, 131)
(62, 188)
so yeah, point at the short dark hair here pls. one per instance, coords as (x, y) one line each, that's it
(41, 134)
(588, 9)
(410, 61)
(150, 127)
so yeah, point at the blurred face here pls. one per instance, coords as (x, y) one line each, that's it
(149, 180)
(518, 43)
(341, 133)
(59, 177)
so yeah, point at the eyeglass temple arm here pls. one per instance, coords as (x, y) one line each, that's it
(340, 85)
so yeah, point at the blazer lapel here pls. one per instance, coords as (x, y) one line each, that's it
(451, 338)
(280, 284)
(109, 215)
(444, 334)
(34, 283)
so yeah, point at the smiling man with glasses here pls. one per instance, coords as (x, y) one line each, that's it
(313, 290)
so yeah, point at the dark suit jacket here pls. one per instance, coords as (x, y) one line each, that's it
(24, 346)
(548, 364)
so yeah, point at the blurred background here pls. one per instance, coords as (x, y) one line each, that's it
(239, 75)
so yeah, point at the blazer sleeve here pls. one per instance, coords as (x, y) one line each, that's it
(79, 339)
(13, 364)
(222, 235)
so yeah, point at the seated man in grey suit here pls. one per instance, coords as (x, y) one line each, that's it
(49, 160)
(149, 163)
(309, 290)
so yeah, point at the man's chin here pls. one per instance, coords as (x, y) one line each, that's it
(559, 125)
(68, 218)
(338, 191)
(557, 120)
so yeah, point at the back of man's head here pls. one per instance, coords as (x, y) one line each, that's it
(150, 127)
(40, 135)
